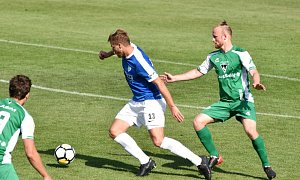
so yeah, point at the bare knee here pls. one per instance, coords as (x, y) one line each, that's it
(157, 142)
(118, 127)
(113, 133)
(250, 128)
(201, 121)
(251, 133)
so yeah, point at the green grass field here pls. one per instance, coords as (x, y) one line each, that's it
(76, 96)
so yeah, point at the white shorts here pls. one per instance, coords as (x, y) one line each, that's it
(149, 113)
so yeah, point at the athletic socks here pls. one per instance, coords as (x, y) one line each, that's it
(260, 148)
(206, 139)
(179, 149)
(131, 147)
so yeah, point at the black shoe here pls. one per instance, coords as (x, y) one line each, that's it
(270, 173)
(213, 161)
(145, 169)
(204, 168)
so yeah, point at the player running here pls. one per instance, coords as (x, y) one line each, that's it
(150, 96)
(232, 65)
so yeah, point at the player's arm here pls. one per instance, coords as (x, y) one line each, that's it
(169, 100)
(189, 75)
(256, 80)
(34, 158)
(104, 54)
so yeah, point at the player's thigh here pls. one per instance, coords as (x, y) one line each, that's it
(8, 172)
(118, 126)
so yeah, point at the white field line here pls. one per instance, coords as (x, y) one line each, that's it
(155, 60)
(125, 99)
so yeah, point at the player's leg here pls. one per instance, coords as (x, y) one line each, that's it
(206, 139)
(259, 145)
(118, 133)
(126, 118)
(174, 146)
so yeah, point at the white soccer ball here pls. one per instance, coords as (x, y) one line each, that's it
(64, 154)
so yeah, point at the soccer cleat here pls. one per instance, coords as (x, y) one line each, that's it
(213, 161)
(270, 173)
(145, 169)
(204, 168)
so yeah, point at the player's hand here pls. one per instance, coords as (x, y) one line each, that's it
(103, 55)
(177, 114)
(167, 78)
(259, 86)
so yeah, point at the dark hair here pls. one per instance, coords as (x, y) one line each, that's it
(120, 36)
(225, 27)
(19, 86)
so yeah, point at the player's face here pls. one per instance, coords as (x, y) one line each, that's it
(218, 37)
(117, 50)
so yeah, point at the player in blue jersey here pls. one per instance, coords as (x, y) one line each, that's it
(233, 66)
(147, 107)
(15, 121)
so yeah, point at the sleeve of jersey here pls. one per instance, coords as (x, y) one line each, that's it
(146, 70)
(27, 127)
(247, 60)
(205, 66)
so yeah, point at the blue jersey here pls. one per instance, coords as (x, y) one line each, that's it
(139, 73)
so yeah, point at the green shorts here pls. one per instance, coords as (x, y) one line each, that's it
(222, 111)
(8, 172)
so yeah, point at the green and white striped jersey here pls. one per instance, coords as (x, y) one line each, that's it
(14, 120)
(232, 70)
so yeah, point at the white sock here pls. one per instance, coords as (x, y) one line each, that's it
(179, 149)
(131, 147)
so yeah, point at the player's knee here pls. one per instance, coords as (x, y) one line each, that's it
(157, 142)
(251, 133)
(198, 124)
(112, 133)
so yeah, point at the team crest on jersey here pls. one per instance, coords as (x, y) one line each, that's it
(224, 66)
(129, 68)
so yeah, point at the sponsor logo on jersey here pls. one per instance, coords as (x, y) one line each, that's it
(231, 75)
(224, 66)
(8, 107)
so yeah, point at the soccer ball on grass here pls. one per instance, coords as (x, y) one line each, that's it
(64, 154)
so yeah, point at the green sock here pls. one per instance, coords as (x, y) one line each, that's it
(260, 148)
(206, 139)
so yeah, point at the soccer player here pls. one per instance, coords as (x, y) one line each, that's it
(146, 108)
(15, 121)
(232, 65)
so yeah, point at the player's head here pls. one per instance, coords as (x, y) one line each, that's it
(221, 34)
(118, 40)
(19, 87)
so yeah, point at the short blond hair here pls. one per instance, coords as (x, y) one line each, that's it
(119, 36)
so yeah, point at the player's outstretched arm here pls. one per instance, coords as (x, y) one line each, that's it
(34, 158)
(192, 74)
(104, 54)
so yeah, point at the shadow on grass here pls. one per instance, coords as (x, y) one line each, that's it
(219, 170)
(99, 162)
(176, 163)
